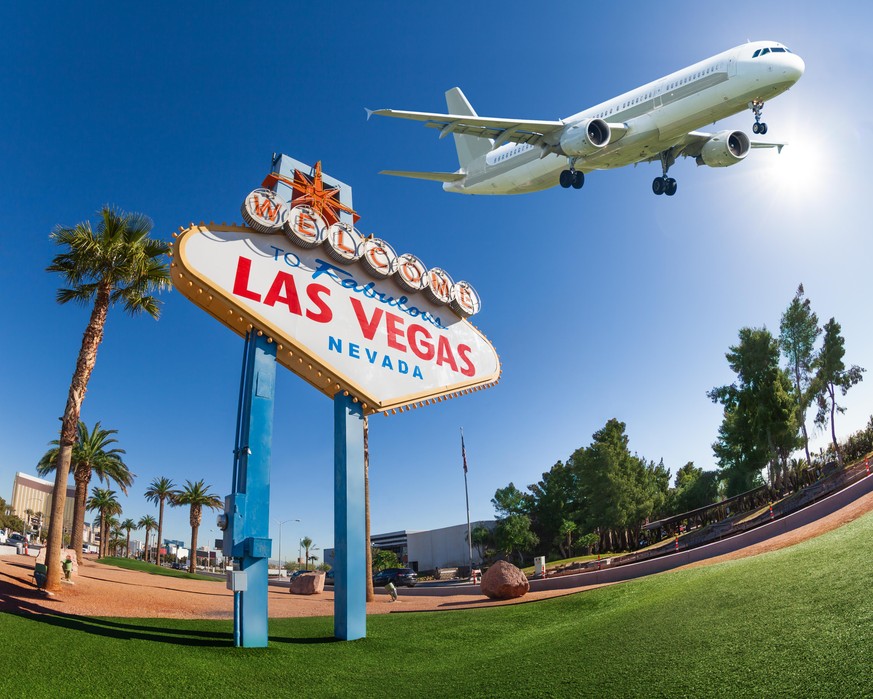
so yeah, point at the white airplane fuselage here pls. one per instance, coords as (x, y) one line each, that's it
(657, 116)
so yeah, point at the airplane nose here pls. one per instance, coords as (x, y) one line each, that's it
(796, 67)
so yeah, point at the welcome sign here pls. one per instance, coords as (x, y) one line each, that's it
(345, 311)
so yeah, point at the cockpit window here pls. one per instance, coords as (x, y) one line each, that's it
(774, 49)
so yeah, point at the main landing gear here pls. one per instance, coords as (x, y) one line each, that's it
(663, 184)
(759, 126)
(572, 177)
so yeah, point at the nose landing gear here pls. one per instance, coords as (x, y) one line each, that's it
(759, 127)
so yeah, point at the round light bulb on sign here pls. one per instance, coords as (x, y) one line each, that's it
(411, 273)
(306, 227)
(439, 286)
(379, 258)
(265, 211)
(465, 301)
(343, 243)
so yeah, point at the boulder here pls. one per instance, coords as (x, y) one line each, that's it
(308, 583)
(504, 581)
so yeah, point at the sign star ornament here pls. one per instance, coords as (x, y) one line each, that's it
(347, 313)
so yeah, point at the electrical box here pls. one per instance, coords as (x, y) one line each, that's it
(237, 580)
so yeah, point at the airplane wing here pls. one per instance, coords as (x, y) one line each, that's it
(434, 176)
(501, 130)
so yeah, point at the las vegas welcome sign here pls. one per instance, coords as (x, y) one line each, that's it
(345, 311)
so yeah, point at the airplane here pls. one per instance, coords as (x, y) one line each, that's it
(655, 122)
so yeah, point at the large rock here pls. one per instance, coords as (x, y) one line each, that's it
(308, 583)
(504, 581)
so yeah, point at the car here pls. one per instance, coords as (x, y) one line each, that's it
(328, 577)
(16, 538)
(297, 574)
(399, 576)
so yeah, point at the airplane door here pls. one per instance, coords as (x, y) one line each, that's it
(732, 66)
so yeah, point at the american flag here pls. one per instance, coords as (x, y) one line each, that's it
(463, 452)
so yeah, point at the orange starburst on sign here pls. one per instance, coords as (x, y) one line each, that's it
(311, 191)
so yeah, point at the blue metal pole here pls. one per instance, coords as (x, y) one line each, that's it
(350, 604)
(250, 500)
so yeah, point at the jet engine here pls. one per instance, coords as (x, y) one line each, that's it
(584, 137)
(724, 148)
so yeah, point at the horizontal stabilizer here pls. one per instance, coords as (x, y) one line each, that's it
(434, 176)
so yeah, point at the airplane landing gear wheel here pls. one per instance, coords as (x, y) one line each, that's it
(566, 179)
(578, 179)
(670, 187)
(762, 128)
(659, 185)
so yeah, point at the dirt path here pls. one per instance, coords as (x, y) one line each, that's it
(101, 590)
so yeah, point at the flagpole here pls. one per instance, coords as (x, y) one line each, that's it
(467, 496)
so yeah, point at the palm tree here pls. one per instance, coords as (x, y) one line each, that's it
(90, 455)
(127, 525)
(306, 543)
(117, 263)
(197, 496)
(28, 523)
(148, 523)
(103, 500)
(160, 490)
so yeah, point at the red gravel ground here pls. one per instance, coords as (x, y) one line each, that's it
(101, 590)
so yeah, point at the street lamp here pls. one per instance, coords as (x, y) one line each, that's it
(280, 540)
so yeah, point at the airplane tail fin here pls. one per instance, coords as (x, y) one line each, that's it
(469, 147)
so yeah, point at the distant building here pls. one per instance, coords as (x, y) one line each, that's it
(427, 550)
(35, 494)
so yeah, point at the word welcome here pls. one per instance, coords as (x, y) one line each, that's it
(266, 212)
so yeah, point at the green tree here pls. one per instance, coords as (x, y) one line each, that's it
(106, 503)
(513, 536)
(483, 539)
(620, 490)
(832, 374)
(554, 500)
(148, 523)
(117, 263)
(160, 491)
(759, 427)
(798, 331)
(510, 501)
(196, 496)
(127, 525)
(382, 559)
(694, 488)
(568, 527)
(91, 455)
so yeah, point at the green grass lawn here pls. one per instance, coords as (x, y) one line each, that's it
(793, 623)
(142, 566)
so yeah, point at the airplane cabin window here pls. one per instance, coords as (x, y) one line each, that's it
(776, 49)
(756, 54)
(764, 52)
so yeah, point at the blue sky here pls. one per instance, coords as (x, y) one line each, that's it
(605, 302)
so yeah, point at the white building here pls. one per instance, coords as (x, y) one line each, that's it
(427, 550)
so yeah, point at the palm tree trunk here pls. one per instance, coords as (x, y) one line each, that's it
(77, 532)
(145, 555)
(371, 595)
(160, 533)
(69, 427)
(192, 560)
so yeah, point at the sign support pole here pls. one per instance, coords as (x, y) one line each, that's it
(249, 503)
(350, 602)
